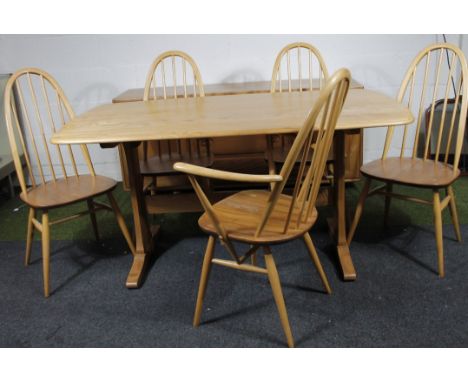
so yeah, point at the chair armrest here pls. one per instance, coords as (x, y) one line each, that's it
(225, 175)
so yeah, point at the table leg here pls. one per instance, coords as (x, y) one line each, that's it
(344, 256)
(123, 167)
(143, 235)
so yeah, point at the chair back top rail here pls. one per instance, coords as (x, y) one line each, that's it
(41, 110)
(167, 70)
(178, 71)
(437, 76)
(299, 63)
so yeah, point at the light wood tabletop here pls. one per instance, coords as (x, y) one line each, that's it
(225, 116)
(136, 94)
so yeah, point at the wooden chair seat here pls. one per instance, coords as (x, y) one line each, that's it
(411, 171)
(164, 165)
(242, 213)
(67, 191)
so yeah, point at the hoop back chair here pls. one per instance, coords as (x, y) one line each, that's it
(51, 170)
(262, 218)
(296, 67)
(173, 74)
(409, 158)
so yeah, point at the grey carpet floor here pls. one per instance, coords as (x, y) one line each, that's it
(397, 300)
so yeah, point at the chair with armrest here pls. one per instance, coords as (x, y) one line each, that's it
(52, 179)
(430, 162)
(263, 218)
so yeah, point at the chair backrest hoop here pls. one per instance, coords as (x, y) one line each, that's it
(159, 61)
(30, 119)
(444, 73)
(303, 83)
(189, 147)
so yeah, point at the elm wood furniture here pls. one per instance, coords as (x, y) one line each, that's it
(224, 116)
(264, 218)
(228, 88)
(169, 69)
(238, 153)
(43, 107)
(414, 166)
(305, 58)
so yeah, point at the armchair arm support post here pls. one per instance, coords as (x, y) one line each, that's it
(212, 214)
(192, 171)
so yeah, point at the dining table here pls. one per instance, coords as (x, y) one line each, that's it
(236, 153)
(251, 114)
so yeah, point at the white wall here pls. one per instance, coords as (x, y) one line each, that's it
(92, 69)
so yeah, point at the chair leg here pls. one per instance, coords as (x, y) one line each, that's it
(29, 236)
(273, 277)
(206, 268)
(438, 232)
(388, 199)
(121, 222)
(454, 213)
(359, 208)
(45, 251)
(318, 265)
(92, 215)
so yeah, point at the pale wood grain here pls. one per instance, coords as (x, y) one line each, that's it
(275, 283)
(295, 81)
(437, 210)
(224, 116)
(241, 145)
(230, 116)
(206, 268)
(42, 92)
(454, 213)
(67, 191)
(409, 171)
(421, 169)
(261, 218)
(251, 87)
(242, 213)
(226, 175)
(29, 235)
(46, 252)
